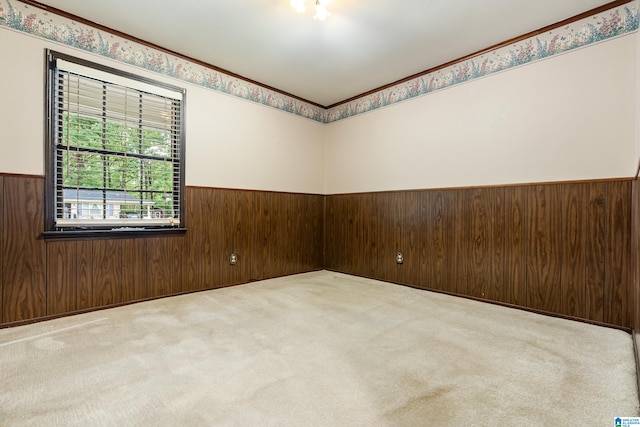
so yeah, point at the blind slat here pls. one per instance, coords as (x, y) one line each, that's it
(117, 154)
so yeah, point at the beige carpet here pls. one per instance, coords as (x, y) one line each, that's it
(317, 349)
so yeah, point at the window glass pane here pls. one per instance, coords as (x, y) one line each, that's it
(116, 149)
(81, 170)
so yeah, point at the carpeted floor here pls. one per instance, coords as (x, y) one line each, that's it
(316, 349)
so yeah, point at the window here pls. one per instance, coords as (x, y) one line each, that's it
(115, 158)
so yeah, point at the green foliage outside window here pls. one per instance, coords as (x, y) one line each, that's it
(150, 178)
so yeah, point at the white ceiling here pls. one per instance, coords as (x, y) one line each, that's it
(363, 45)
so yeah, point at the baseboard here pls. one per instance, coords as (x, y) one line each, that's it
(122, 304)
(502, 304)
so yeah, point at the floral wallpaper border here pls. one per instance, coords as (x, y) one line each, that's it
(37, 22)
(612, 23)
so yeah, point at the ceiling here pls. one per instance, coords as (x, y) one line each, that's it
(363, 45)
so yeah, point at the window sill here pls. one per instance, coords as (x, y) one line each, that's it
(116, 233)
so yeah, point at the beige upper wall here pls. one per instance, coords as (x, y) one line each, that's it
(569, 117)
(637, 115)
(573, 116)
(230, 143)
(245, 145)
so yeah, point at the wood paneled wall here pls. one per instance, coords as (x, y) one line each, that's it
(273, 234)
(634, 294)
(569, 248)
(635, 255)
(559, 248)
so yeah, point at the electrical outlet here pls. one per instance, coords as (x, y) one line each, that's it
(399, 258)
(233, 259)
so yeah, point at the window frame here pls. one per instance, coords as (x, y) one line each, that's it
(54, 232)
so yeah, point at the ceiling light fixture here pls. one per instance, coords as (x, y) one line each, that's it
(298, 5)
(321, 8)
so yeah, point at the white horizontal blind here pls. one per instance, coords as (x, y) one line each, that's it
(117, 152)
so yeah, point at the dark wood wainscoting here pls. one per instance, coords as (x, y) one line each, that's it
(565, 248)
(560, 248)
(634, 293)
(273, 234)
(635, 255)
